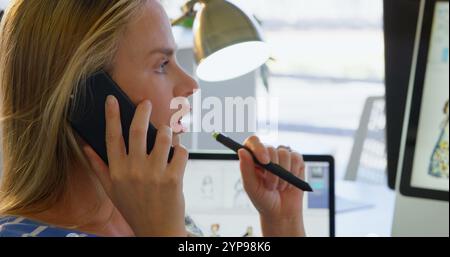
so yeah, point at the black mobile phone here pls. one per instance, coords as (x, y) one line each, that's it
(87, 113)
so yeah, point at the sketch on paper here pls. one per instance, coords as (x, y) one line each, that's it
(439, 158)
(240, 196)
(207, 188)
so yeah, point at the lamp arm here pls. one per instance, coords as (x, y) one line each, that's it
(188, 11)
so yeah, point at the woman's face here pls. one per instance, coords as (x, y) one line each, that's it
(145, 66)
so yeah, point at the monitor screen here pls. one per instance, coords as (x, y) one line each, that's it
(425, 157)
(430, 165)
(218, 204)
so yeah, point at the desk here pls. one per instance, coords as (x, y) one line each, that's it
(375, 220)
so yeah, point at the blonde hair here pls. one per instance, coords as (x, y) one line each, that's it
(47, 48)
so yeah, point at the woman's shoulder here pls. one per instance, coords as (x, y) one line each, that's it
(11, 226)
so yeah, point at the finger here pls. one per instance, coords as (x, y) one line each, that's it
(160, 152)
(115, 145)
(258, 149)
(296, 163)
(270, 180)
(138, 131)
(99, 167)
(250, 178)
(302, 168)
(178, 164)
(297, 166)
(285, 162)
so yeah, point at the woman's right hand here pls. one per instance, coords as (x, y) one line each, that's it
(146, 190)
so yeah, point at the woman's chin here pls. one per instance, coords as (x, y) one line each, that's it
(178, 133)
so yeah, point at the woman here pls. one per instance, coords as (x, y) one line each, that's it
(53, 181)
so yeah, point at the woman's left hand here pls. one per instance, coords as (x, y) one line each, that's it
(280, 204)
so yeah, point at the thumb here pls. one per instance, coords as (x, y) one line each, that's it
(250, 177)
(99, 167)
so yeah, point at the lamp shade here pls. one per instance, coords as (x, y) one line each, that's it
(227, 42)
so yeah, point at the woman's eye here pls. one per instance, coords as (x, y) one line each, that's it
(162, 68)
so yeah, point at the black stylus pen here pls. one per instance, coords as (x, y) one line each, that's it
(271, 167)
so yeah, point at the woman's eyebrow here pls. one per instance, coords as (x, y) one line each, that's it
(165, 51)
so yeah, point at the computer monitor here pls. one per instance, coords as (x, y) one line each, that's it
(425, 153)
(400, 25)
(216, 200)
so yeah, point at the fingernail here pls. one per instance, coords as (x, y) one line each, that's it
(110, 100)
(148, 103)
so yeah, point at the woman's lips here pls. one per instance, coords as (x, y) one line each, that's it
(181, 126)
(178, 127)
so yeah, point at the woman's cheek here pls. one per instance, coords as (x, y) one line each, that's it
(161, 95)
(161, 113)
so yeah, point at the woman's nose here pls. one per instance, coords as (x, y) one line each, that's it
(186, 85)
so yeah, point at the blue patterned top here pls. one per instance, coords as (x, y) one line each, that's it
(21, 227)
(11, 226)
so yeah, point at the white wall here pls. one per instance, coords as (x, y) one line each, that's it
(4, 3)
